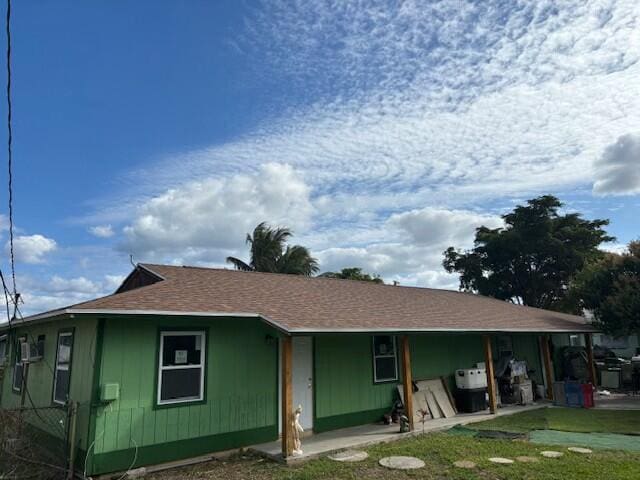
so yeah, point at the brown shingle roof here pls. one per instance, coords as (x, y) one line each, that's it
(303, 304)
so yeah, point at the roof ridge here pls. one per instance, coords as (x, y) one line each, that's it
(306, 277)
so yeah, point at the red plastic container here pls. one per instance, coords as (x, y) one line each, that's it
(587, 395)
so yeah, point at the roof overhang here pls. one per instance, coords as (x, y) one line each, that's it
(47, 316)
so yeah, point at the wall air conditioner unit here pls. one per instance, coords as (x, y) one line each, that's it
(35, 351)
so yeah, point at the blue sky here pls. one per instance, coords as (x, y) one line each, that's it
(381, 132)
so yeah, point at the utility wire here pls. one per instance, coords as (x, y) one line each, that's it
(10, 151)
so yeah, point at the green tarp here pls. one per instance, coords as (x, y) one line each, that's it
(613, 441)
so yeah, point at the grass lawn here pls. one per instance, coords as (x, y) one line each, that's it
(440, 450)
(567, 419)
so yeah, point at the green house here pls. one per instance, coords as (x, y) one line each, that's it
(183, 361)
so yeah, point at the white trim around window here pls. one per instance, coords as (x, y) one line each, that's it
(379, 355)
(18, 365)
(64, 353)
(199, 345)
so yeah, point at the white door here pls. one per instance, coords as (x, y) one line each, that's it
(302, 373)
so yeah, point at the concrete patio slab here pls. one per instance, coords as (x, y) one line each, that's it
(316, 445)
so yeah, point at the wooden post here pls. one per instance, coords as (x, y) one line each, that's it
(287, 397)
(591, 366)
(546, 359)
(488, 362)
(407, 380)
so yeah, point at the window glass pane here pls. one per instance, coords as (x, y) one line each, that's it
(17, 376)
(383, 345)
(63, 368)
(62, 385)
(3, 348)
(181, 384)
(181, 350)
(64, 348)
(385, 368)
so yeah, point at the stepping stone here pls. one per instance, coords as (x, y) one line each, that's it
(580, 450)
(525, 459)
(468, 464)
(551, 454)
(349, 456)
(500, 460)
(401, 463)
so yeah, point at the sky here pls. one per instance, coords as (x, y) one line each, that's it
(380, 132)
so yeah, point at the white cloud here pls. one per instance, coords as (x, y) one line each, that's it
(32, 248)
(201, 220)
(102, 231)
(407, 247)
(618, 169)
(39, 294)
(437, 226)
(401, 118)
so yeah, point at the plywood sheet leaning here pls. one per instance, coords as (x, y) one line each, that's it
(446, 389)
(419, 402)
(434, 409)
(441, 397)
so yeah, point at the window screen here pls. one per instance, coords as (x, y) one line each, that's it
(385, 361)
(62, 378)
(181, 367)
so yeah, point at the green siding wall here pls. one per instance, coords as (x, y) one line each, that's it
(240, 392)
(440, 355)
(344, 388)
(40, 377)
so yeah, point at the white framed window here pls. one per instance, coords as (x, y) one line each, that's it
(181, 364)
(62, 375)
(385, 359)
(18, 366)
(3, 350)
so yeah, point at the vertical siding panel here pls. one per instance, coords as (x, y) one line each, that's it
(172, 424)
(110, 431)
(161, 426)
(149, 428)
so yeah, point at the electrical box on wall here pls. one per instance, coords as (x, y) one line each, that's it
(109, 392)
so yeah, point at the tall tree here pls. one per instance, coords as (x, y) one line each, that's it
(610, 289)
(532, 259)
(269, 252)
(353, 273)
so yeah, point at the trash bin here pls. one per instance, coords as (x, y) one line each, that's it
(587, 395)
(470, 400)
(574, 395)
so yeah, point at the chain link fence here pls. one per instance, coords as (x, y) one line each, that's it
(34, 442)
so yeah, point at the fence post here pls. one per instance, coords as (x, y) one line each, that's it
(73, 414)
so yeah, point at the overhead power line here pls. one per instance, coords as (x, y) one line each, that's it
(10, 152)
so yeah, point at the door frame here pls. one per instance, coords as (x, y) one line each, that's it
(313, 382)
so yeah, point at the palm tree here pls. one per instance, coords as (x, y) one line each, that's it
(269, 253)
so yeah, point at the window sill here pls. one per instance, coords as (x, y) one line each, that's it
(185, 403)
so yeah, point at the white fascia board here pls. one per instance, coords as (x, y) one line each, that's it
(100, 311)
